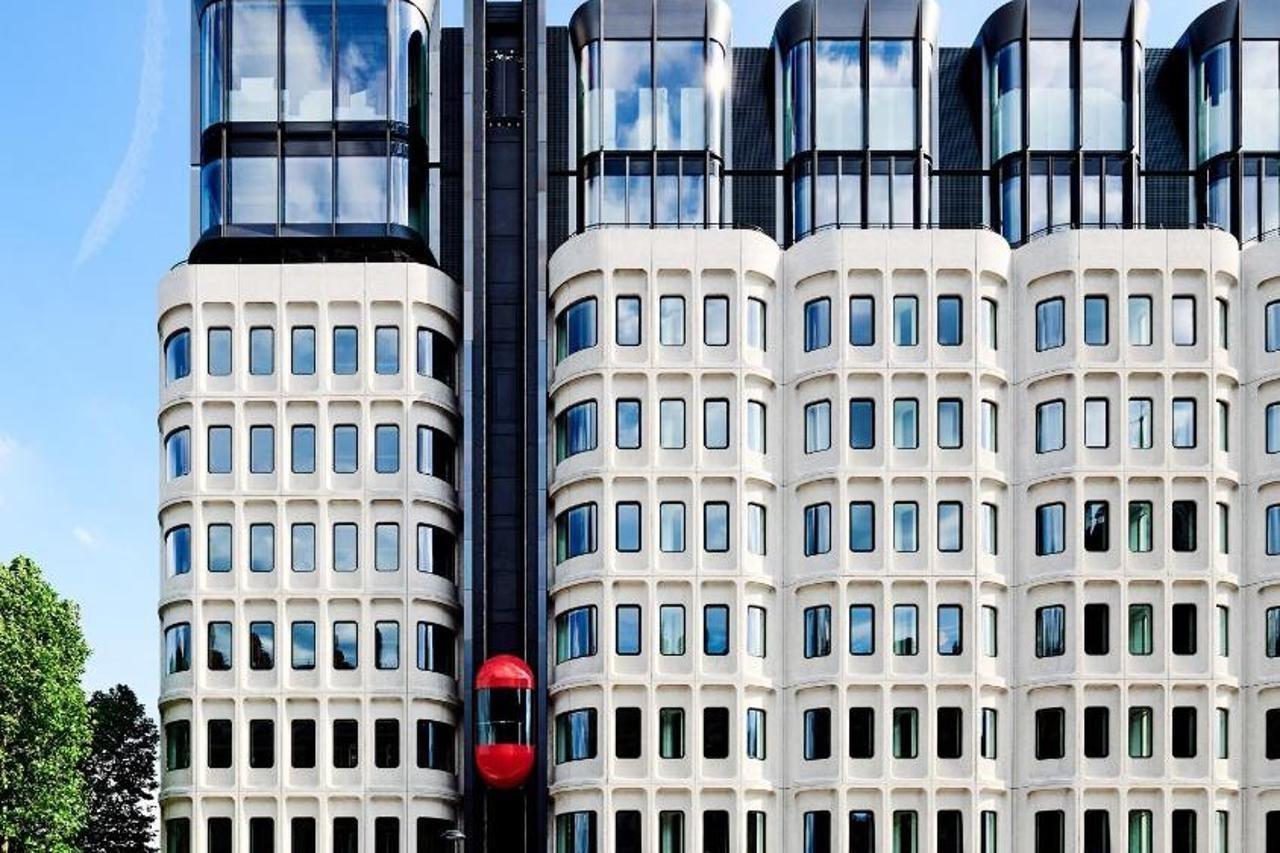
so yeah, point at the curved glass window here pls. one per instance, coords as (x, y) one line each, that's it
(798, 85)
(252, 84)
(576, 634)
(362, 60)
(177, 356)
(892, 116)
(177, 648)
(1105, 106)
(1011, 202)
(627, 95)
(576, 430)
(838, 97)
(177, 547)
(308, 60)
(681, 95)
(576, 735)
(1213, 76)
(1006, 100)
(1051, 102)
(576, 328)
(1259, 197)
(308, 190)
(435, 453)
(212, 38)
(576, 532)
(1260, 95)
(177, 451)
(1218, 195)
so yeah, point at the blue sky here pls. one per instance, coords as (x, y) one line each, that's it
(93, 210)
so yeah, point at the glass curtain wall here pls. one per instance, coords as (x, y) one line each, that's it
(651, 130)
(1064, 136)
(315, 119)
(856, 121)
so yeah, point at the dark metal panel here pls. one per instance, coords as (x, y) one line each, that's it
(1214, 26)
(1053, 19)
(887, 19)
(1260, 19)
(1106, 19)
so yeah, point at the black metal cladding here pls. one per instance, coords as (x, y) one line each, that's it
(753, 178)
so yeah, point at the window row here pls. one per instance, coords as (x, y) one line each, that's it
(435, 449)
(1051, 531)
(576, 734)
(435, 649)
(949, 322)
(576, 428)
(436, 548)
(435, 747)
(436, 354)
(1183, 625)
(576, 528)
(905, 515)
(576, 631)
(1096, 732)
(1051, 424)
(906, 424)
(577, 326)
(221, 834)
(1051, 322)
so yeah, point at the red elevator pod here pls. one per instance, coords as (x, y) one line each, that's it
(504, 721)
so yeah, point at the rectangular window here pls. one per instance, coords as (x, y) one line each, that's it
(990, 529)
(950, 526)
(950, 328)
(906, 323)
(1097, 526)
(988, 745)
(1141, 629)
(1273, 632)
(817, 426)
(262, 351)
(627, 530)
(989, 428)
(862, 832)
(1097, 418)
(1183, 423)
(1183, 629)
(757, 435)
(346, 350)
(1096, 321)
(303, 645)
(1051, 631)
(219, 450)
(575, 634)
(262, 547)
(219, 357)
(817, 734)
(1224, 733)
(627, 424)
(1141, 427)
(1224, 630)
(991, 323)
(1050, 529)
(715, 630)
(1183, 321)
(990, 631)
(817, 324)
(386, 350)
(1050, 832)
(862, 420)
(906, 630)
(671, 321)
(262, 449)
(671, 733)
(862, 321)
(757, 328)
(671, 519)
(950, 629)
(386, 448)
(1097, 731)
(715, 321)
(346, 547)
(862, 742)
(671, 424)
(950, 732)
(715, 526)
(1097, 629)
(817, 631)
(262, 645)
(905, 733)
(1140, 527)
(626, 733)
(1273, 530)
(1139, 831)
(862, 629)
(627, 321)
(906, 424)
(1050, 426)
(757, 530)
(862, 523)
(715, 424)
(1224, 425)
(1272, 330)
(817, 529)
(1140, 732)
(346, 449)
(950, 424)
(303, 449)
(671, 630)
(1050, 733)
(757, 633)
(1051, 324)
(1140, 321)
(906, 527)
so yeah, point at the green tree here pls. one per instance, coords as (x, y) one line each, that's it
(44, 721)
(120, 773)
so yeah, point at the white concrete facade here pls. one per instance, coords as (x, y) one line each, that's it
(388, 503)
(1164, 683)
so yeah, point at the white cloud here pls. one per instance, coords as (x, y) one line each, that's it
(128, 180)
(84, 537)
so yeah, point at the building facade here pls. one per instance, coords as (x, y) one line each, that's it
(605, 438)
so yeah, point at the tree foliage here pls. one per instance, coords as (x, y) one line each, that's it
(120, 774)
(44, 724)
